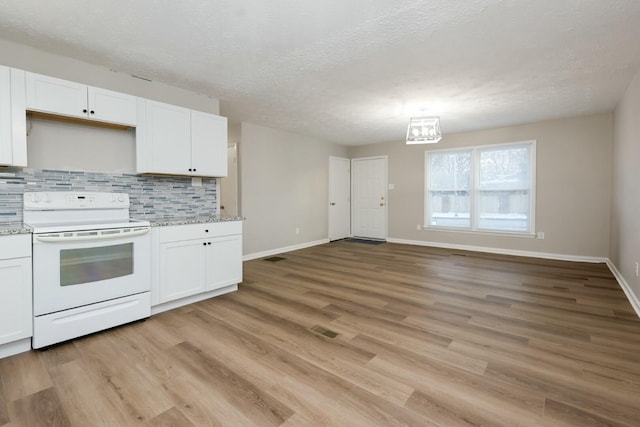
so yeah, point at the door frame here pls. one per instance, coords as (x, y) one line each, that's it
(386, 191)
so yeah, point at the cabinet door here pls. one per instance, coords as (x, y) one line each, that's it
(13, 133)
(6, 149)
(208, 144)
(112, 107)
(224, 261)
(15, 300)
(56, 96)
(164, 139)
(182, 269)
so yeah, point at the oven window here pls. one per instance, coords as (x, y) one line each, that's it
(78, 266)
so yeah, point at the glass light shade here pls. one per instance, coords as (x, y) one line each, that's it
(424, 130)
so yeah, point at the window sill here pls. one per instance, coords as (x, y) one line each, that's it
(482, 233)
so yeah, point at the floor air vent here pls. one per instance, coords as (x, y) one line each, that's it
(274, 259)
(323, 331)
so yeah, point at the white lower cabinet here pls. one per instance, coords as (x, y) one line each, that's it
(224, 261)
(194, 259)
(182, 269)
(16, 315)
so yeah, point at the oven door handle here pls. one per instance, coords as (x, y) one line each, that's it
(79, 236)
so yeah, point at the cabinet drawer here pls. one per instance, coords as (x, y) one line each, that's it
(15, 246)
(198, 231)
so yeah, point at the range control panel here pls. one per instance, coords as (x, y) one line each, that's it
(65, 200)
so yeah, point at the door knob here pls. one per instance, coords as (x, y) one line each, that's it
(333, 203)
(381, 204)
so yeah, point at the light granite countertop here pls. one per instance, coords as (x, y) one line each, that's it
(9, 228)
(162, 222)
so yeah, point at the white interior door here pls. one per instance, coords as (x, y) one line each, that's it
(369, 197)
(339, 198)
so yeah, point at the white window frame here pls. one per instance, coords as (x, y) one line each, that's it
(474, 191)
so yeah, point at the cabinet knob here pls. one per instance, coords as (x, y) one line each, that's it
(208, 243)
(204, 244)
(194, 169)
(84, 111)
(92, 112)
(189, 169)
(206, 231)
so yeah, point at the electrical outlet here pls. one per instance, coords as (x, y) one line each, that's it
(297, 230)
(636, 268)
(540, 235)
(418, 227)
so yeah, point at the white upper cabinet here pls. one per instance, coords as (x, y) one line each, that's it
(13, 132)
(178, 141)
(112, 107)
(61, 97)
(163, 142)
(208, 144)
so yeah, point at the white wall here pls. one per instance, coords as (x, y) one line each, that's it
(65, 146)
(625, 200)
(58, 145)
(284, 179)
(573, 186)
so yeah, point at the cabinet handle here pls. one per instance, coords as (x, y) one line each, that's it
(84, 111)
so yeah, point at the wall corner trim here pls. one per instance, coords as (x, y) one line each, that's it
(276, 251)
(634, 300)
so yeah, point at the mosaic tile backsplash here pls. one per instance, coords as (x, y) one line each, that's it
(152, 197)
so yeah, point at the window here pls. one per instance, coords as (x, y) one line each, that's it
(489, 188)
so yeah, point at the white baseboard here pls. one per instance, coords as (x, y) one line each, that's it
(532, 254)
(276, 251)
(15, 347)
(192, 299)
(631, 296)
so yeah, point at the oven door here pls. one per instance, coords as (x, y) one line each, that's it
(79, 268)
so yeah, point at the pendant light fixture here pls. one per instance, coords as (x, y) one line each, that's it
(424, 130)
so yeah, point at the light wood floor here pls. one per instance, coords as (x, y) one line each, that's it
(426, 337)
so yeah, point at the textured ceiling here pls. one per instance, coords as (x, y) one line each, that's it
(354, 71)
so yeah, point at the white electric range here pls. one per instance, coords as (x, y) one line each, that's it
(91, 264)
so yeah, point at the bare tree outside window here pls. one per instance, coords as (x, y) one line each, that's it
(481, 188)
